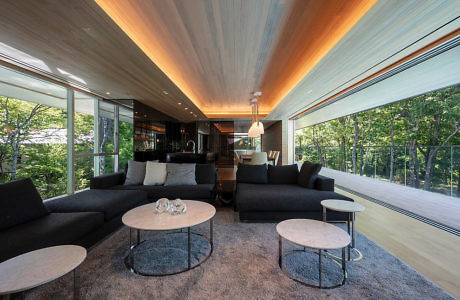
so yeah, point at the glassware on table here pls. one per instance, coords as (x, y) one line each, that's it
(178, 207)
(162, 205)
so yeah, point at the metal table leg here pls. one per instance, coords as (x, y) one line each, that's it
(211, 233)
(319, 267)
(130, 254)
(344, 266)
(138, 237)
(324, 214)
(353, 230)
(76, 286)
(189, 249)
(348, 225)
(280, 252)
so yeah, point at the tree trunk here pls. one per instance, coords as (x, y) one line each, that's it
(364, 160)
(458, 182)
(355, 142)
(430, 162)
(392, 150)
(413, 165)
(15, 156)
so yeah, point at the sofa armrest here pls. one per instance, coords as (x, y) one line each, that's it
(107, 180)
(323, 183)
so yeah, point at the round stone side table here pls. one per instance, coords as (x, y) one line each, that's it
(144, 218)
(35, 268)
(351, 208)
(315, 235)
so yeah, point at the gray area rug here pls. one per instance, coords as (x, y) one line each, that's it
(243, 266)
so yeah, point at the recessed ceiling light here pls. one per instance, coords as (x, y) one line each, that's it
(179, 103)
(165, 92)
(186, 108)
(191, 112)
(108, 93)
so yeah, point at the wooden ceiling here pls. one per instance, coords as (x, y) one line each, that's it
(218, 52)
(389, 31)
(75, 42)
(210, 55)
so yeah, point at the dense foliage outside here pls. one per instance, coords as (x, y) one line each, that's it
(33, 143)
(414, 142)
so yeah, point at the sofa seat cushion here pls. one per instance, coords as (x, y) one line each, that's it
(111, 203)
(187, 192)
(281, 197)
(50, 230)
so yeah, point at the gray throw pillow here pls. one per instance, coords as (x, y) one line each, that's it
(180, 174)
(136, 173)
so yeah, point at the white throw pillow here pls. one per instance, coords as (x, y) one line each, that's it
(155, 173)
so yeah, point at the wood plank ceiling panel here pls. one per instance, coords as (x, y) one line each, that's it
(218, 52)
(388, 32)
(213, 50)
(76, 42)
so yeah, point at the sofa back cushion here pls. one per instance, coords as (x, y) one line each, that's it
(252, 174)
(180, 174)
(136, 173)
(205, 173)
(155, 173)
(307, 174)
(283, 174)
(20, 202)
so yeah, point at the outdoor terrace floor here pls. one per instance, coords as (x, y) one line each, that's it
(435, 207)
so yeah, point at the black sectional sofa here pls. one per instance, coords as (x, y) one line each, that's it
(27, 223)
(205, 176)
(274, 194)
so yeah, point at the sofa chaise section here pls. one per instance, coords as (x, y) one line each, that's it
(51, 230)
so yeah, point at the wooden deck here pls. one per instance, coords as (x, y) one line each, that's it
(431, 251)
(437, 207)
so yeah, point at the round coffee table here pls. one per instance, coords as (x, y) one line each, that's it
(351, 208)
(144, 218)
(35, 268)
(315, 235)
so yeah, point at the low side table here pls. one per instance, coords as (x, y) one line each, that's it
(35, 268)
(316, 235)
(351, 208)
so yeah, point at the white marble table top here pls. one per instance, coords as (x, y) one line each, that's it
(144, 217)
(342, 205)
(38, 267)
(313, 234)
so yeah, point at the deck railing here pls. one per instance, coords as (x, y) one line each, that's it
(405, 165)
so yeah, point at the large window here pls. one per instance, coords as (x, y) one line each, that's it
(414, 142)
(34, 134)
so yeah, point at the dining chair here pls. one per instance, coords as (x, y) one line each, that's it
(275, 157)
(259, 158)
(237, 158)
